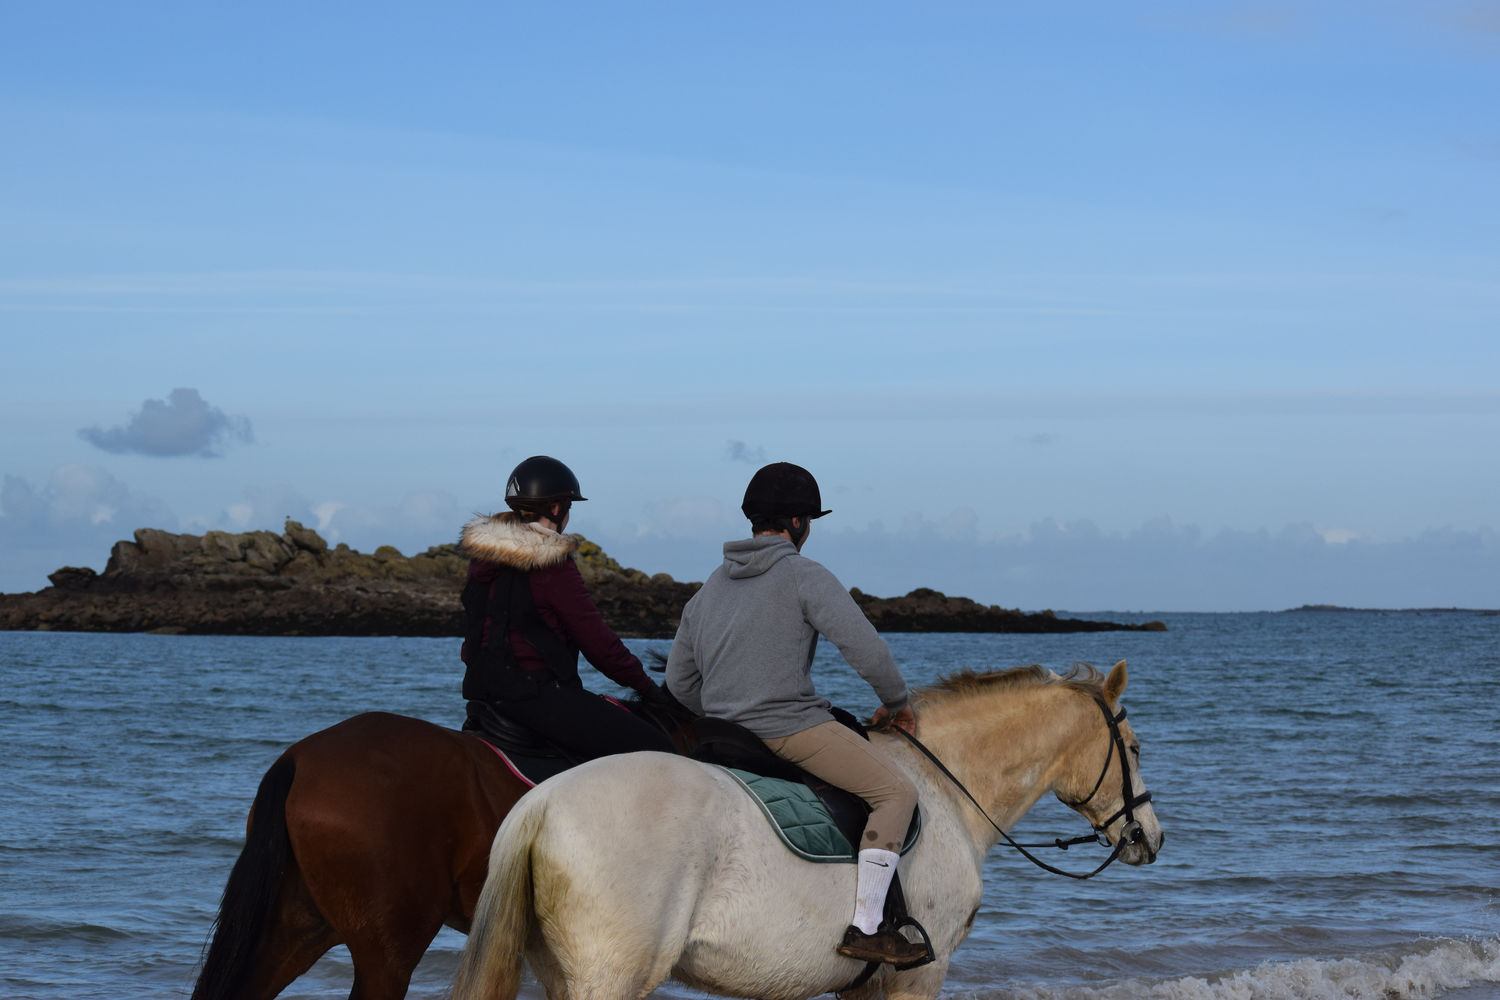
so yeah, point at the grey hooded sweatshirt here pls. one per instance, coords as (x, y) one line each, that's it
(744, 649)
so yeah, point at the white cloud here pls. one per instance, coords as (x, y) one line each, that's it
(694, 517)
(74, 519)
(1067, 565)
(961, 524)
(1076, 565)
(260, 509)
(1481, 19)
(1163, 567)
(739, 451)
(326, 511)
(239, 515)
(419, 520)
(182, 424)
(415, 523)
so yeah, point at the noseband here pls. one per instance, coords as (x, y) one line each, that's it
(1129, 834)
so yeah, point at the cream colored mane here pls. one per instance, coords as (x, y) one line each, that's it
(966, 684)
(958, 716)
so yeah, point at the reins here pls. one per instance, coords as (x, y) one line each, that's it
(1127, 809)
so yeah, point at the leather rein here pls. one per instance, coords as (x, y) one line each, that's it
(1129, 834)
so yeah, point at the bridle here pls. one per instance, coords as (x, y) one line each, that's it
(1129, 834)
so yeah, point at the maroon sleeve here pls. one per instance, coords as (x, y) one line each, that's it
(563, 601)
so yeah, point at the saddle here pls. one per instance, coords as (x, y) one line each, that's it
(758, 770)
(529, 757)
(734, 747)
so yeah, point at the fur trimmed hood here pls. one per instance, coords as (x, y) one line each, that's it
(506, 539)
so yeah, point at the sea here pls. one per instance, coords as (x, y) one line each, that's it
(1329, 785)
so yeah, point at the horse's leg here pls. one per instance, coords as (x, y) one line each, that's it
(922, 983)
(603, 934)
(619, 950)
(597, 974)
(300, 936)
(392, 831)
(268, 930)
(547, 972)
(385, 899)
(297, 938)
(381, 974)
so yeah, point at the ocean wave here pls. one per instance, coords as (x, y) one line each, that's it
(1424, 971)
(14, 927)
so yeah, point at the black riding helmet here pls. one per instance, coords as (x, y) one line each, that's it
(539, 482)
(782, 489)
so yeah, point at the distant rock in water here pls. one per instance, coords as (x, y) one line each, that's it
(925, 610)
(294, 583)
(1392, 611)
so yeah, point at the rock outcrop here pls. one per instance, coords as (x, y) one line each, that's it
(294, 583)
(925, 610)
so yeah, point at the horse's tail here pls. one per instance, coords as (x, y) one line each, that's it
(250, 894)
(490, 968)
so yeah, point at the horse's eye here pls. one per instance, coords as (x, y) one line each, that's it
(1135, 748)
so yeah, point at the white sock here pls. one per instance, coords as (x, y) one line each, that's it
(872, 880)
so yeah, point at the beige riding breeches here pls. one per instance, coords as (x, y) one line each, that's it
(838, 755)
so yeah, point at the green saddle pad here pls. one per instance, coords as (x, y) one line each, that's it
(802, 821)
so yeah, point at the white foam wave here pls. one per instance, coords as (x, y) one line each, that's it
(1428, 970)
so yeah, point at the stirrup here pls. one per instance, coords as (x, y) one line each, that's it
(928, 955)
(887, 945)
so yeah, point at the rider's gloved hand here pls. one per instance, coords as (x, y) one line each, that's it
(659, 696)
(905, 719)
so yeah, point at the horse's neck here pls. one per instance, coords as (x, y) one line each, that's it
(1007, 748)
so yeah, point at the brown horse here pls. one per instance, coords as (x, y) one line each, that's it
(373, 833)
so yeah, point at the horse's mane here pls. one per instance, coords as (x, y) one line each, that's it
(1081, 676)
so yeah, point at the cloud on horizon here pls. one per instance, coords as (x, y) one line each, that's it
(77, 516)
(82, 511)
(74, 519)
(1161, 566)
(419, 520)
(739, 451)
(1077, 566)
(182, 424)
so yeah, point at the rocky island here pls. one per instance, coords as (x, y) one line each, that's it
(295, 583)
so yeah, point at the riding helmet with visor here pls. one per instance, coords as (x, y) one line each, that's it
(782, 490)
(539, 482)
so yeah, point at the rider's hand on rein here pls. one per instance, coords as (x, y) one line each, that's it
(904, 720)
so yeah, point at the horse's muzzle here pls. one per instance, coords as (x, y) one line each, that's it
(1135, 849)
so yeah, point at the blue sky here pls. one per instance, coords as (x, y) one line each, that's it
(1137, 307)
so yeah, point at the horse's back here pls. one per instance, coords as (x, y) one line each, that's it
(609, 800)
(360, 734)
(400, 754)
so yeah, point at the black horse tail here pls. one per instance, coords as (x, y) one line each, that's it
(250, 894)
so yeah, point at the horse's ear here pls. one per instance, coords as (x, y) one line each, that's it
(1114, 684)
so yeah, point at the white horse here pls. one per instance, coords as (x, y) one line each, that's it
(629, 869)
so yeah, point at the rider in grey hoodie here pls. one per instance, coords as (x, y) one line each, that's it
(745, 647)
(744, 652)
